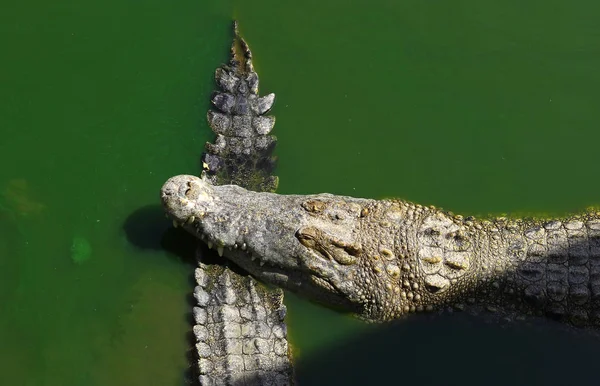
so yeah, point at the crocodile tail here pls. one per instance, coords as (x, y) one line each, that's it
(242, 152)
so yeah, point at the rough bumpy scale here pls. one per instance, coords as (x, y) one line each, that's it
(240, 329)
(242, 152)
(383, 259)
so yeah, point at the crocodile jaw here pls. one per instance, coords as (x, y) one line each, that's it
(260, 233)
(225, 217)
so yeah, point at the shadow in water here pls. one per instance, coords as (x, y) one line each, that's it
(147, 228)
(457, 349)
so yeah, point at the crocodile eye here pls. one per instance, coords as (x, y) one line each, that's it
(305, 240)
(314, 206)
(306, 234)
(323, 245)
(343, 258)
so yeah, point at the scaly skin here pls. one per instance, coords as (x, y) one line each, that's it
(383, 259)
(241, 154)
(240, 328)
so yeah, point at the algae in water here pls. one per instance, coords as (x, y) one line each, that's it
(81, 250)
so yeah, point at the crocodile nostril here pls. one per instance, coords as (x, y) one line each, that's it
(189, 190)
(184, 189)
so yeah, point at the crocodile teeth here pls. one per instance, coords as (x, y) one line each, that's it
(244, 247)
(262, 262)
(220, 251)
(210, 244)
(175, 225)
(190, 219)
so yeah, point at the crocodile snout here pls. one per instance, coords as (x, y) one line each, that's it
(185, 197)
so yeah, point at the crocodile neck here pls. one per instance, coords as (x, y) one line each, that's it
(545, 268)
(512, 267)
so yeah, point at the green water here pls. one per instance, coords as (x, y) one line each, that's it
(474, 106)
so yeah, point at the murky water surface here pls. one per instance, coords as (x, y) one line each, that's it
(478, 107)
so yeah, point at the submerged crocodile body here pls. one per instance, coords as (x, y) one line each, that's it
(240, 330)
(383, 259)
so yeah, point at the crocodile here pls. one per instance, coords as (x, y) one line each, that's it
(385, 259)
(239, 323)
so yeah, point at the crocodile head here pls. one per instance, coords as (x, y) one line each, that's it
(298, 242)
